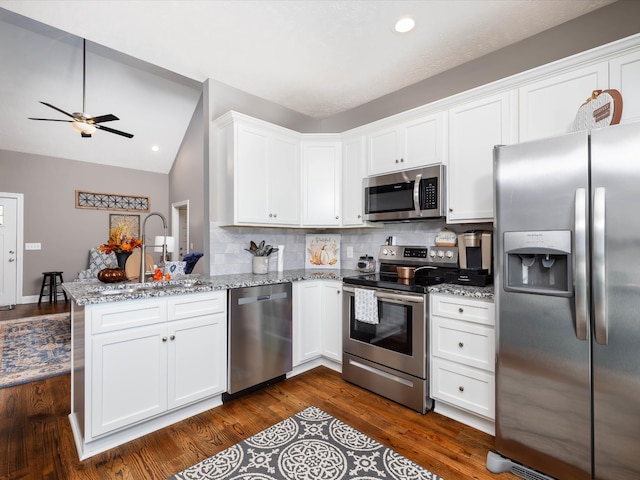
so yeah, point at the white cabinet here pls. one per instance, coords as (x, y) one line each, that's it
(354, 170)
(463, 359)
(474, 129)
(321, 186)
(141, 364)
(411, 144)
(257, 173)
(317, 320)
(624, 76)
(548, 107)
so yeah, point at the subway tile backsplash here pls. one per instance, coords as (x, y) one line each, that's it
(228, 243)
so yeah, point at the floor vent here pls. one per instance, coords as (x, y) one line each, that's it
(499, 464)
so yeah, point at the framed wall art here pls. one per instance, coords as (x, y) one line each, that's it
(322, 251)
(124, 226)
(112, 201)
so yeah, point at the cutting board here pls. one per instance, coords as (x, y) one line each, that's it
(132, 267)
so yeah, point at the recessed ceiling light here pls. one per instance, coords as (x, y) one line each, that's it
(155, 148)
(404, 24)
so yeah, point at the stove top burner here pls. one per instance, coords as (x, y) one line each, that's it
(419, 284)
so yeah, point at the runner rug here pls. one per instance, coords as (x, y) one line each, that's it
(311, 445)
(34, 348)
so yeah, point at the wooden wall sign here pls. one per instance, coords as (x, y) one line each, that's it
(112, 201)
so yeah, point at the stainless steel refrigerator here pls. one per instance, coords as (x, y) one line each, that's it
(567, 292)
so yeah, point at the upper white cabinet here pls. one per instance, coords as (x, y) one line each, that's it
(548, 107)
(624, 76)
(257, 180)
(354, 169)
(410, 144)
(321, 186)
(474, 129)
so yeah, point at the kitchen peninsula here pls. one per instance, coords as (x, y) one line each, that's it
(146, 355)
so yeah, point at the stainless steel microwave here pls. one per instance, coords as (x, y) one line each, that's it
(417, 194)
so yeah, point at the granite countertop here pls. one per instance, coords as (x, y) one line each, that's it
(95, 292)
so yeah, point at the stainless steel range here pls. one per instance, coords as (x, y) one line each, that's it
(386, 323)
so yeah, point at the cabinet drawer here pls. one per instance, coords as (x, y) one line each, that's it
(188, 306)
(463, 342)
(463, 387)
(109, 317)
(461, 308)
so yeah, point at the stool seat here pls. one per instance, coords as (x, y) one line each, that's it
(50, 283)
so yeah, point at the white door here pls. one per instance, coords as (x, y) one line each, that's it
(8, 250)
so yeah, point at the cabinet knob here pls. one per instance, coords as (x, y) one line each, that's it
(402, 160)
(164, 339)
(460, 310)
(172, 337)
(338, 292)
(12, 260)
(451, 209)
(461, 388)
(270, 215)
(337, 217)
(275, 215)
(359, 216)
(460, 345)
(397, 161)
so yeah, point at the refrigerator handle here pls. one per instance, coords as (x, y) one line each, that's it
(599, 277)
(580, 264)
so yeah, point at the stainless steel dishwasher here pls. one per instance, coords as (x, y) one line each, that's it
(260, 350)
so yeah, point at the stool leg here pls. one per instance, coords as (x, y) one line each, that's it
(44, 281)
(64, 294)
(53, 290)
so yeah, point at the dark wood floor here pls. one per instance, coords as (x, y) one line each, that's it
(34, 310)
(37, 443)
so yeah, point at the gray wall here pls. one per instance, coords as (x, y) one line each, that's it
(50, 217)
(186, 181)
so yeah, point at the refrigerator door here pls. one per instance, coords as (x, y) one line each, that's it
(543, 404)
(615, 182)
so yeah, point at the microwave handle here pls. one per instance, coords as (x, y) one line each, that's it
(416, 194)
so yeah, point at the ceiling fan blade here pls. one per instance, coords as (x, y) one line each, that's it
(56, 108)
(111, 130)
(102, 118)
(51, 120)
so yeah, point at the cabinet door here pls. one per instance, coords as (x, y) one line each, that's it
(548, 107)
(332, 320)
(384, 151)
(307, 321)
(424, 141)
(321, 166)
(283, 174)
(624, 76)
(197, 358)
(128, 377)
(353, 172)
(474, 129)
(251, 176)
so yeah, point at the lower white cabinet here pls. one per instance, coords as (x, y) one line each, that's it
(146, 364)
(317, 320)
(463, 359)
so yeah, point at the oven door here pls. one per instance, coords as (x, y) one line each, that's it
(399, 340)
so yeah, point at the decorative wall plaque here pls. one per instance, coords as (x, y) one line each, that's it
(111, 201)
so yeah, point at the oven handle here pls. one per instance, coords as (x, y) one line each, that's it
(391, 296)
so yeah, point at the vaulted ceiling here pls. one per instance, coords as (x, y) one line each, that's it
(146, 60)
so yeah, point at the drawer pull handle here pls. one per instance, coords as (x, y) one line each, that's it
(460, 345)
(460, 310)
(461, 388)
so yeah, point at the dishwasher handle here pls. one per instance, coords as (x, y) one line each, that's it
(262, 298)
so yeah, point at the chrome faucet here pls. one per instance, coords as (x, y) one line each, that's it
(143, 259)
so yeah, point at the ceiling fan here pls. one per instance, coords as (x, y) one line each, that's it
(83, 122)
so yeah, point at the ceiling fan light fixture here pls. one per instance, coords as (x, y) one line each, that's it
(404, 24)
(83, 127)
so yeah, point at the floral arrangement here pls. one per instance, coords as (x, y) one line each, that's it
(120, 243)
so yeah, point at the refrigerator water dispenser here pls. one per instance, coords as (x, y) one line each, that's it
(538, 262)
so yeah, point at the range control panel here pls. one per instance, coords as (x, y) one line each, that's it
(446, 256)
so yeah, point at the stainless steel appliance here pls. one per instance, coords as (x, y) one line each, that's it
(417, 194)
(259, 333)
(389, 353)
(476, 259)
(567, 299)
(367, 264)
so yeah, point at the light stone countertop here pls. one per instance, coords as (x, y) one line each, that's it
(96, 292)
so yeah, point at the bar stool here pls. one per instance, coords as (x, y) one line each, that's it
(50, 281)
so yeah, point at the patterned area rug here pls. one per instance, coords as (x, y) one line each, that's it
(311, 445)
(34, 348)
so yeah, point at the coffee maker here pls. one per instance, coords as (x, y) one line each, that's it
(475, 253)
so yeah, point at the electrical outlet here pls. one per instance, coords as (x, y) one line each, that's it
(32, 246)
(349, 252)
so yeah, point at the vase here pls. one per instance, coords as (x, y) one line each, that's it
(260, 265)
(122, 258)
